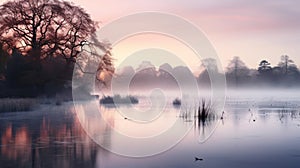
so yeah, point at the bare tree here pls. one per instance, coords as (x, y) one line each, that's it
(285, 63)
(47, 32)
(237, 69)
(210, 64)
(46, 28)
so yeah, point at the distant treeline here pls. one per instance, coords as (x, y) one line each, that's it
(238, 75)
(284, 74)
(22, 76)
(147, 76)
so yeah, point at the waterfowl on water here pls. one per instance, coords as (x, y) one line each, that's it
(222, 117)
(198, 159)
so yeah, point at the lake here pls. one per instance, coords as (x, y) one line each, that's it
(254, 132)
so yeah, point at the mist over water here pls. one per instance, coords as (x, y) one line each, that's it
(260, 128)
(240, 126)
(153, 93)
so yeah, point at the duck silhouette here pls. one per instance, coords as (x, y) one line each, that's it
(198, 159)
(222, 117)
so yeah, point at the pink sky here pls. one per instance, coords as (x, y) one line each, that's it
(253, 30)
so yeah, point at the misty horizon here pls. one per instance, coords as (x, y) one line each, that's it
(284, 74)
(139, 84)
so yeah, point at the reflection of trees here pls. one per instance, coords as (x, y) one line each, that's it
(46, 141)
(203, 116)
(19, 138)
(285, 115)
(204, 127)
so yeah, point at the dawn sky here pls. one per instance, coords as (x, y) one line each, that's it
(253, 30)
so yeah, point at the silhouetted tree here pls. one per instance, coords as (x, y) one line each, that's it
(210, 66)
(3, 61)
(145, 75)
(286, 73)
(165, 70)
(45, 28)
(48, 32)
(237, 71)
(264, 66)
(265, 74)
(285, 63)
(105, 69)
(166, 77)
(15, 68)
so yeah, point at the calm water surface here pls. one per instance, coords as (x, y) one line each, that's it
(254, 133)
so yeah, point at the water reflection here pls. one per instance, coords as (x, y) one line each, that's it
(285, 114)
(20, 138)
(45, 139)
(53, 137)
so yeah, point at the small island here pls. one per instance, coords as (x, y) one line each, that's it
(177, 102)
(117, 99)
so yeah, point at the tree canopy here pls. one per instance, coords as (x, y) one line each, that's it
(47, 37)
(45, 28)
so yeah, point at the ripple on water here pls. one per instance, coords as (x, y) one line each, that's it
(295, 155)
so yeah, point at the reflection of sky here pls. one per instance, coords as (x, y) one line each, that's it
(264, 143)
(56, 139)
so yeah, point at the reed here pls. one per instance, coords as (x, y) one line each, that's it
(14, 104)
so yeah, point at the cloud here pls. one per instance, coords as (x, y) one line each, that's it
(228, 15)
(241, 15)
(249, 28)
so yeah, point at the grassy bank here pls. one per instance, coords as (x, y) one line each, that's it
(17, 104)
